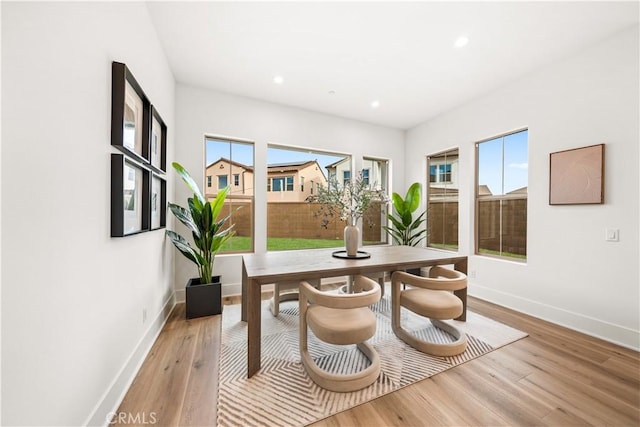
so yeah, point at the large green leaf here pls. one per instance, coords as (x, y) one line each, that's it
(398, 203)
(221, 238)
(184, 216)
(207, 219)
(189, 181)
(406, 218)
(396, 223)
(218, 202)
(183, 246)
(412, 199)
(196, 211)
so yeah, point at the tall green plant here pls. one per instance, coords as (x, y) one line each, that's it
(206, 229)
(405, 230)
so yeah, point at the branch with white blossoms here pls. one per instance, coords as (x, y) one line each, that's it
(348, 202)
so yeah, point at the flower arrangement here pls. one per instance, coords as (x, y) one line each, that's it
(348, 202)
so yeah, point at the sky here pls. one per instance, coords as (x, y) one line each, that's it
(243, 153)
(489, 161)
(515, 163)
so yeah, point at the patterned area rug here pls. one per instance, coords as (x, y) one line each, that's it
(281, 393)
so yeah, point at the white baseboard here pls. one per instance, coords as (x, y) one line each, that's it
(113, 397)
(601, 329)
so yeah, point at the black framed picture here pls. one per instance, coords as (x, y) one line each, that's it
(158, 142)
(130, 196)
(130, 114)
(158, 202)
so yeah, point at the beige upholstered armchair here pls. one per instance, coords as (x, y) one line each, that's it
(340, 319)
(430, 297)
(286, 291)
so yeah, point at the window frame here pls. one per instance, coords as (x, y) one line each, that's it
(385, 186)
(438, 168)
(478, 199)
(231, 196)
(296, 183)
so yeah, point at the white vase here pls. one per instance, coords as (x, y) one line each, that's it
(351, 239)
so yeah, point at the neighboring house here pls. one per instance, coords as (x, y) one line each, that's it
(224, 172)
(341, 170)
(294, 181)
(374, 173)
(286, 182)
(443, 174)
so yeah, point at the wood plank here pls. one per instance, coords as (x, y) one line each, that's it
(199, 407)
(554, 377)
(159, 388)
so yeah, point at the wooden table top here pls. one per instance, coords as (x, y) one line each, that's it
(316, 263)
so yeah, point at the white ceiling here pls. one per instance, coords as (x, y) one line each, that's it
(401, 54)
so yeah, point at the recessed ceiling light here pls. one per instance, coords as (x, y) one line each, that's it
(375, 104)
(461, 41)
(332, 92)
(278, 80)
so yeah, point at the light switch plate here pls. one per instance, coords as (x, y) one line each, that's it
(613, 235)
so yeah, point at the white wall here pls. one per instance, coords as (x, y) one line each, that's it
(72, 298)
(572, 275)
(200, 112)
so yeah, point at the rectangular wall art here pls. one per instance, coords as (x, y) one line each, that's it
(576, 176)
(138, 183)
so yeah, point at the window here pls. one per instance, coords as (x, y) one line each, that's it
(281, 183)
(501, 196)
(346, 177)
(440, 173)
(442, 200)
(365, 176)
(375, 174)
(292, 217)
(227, 159)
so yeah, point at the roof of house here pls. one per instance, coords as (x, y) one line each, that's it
(290, 166)
(231, 162)
(274, 167)
(522, 190)
(483, 190)
(334, 164)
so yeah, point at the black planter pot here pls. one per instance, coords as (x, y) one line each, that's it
(203, 299)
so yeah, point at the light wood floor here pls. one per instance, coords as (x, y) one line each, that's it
(553, 377)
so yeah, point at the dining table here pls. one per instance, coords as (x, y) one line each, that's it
(259, 269)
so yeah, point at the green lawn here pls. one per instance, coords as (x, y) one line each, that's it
(240, 244)
(503, 254)
(243, 244)
(446, 246)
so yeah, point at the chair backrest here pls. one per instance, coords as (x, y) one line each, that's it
(369, 294)
(443, 279)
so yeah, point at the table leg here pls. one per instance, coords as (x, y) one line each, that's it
(244, 293)
(253, 327)
(461, 266)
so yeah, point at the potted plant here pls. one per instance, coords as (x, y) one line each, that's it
(349, 202)
(203, 294)
(404, 229)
